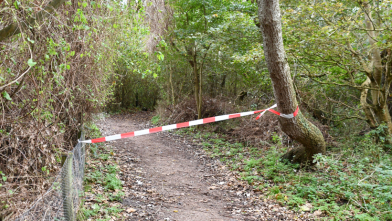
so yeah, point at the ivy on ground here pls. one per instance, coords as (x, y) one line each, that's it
(352, 182)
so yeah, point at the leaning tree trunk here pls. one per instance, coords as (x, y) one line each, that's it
(298, 128)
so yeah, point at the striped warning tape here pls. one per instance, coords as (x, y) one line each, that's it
(190, 123)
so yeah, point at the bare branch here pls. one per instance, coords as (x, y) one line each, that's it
(14, 28)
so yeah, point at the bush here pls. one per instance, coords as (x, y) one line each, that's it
(186, 109)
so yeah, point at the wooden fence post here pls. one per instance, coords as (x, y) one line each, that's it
(67, 189)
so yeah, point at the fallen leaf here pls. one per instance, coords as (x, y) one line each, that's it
(131, 210)
(317, 213)
(176, 211)
(305, 208)
(309, 205)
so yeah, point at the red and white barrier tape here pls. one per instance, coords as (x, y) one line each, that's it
(190, 123)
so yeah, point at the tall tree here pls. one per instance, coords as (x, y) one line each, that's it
(298, 128)
(194, 19)
(376, 79)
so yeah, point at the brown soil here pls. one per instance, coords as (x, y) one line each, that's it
(166, 177)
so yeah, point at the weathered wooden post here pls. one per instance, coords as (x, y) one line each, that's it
(66, 189)
(83, 154)
(63, 159)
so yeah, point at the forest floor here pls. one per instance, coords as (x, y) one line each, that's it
(165, 176)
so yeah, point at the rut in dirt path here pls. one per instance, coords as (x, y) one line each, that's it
(167, 178)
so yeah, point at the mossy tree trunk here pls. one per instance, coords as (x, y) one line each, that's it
(298, 128)
(376, 78)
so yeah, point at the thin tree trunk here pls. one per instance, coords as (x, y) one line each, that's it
(371, 119)
(235, 83)
(171, 85)
(200, 93)
(196, 85)
(298, 128)
(223, 83)
(122, 97)
(191, 51)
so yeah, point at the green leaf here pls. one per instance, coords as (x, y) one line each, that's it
(68, 67)
(6, 95)
(84, 4)
(32, 41)
(31, 63)
(16, 4)
(4, 178)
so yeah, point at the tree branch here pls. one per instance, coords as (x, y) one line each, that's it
(348, 85)
(14, 29)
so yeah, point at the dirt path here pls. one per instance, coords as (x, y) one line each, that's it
(167, 178)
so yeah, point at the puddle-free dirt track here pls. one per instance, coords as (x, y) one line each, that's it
(166, 177)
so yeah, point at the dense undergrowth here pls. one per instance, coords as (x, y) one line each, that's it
(351, 182)
(56, 71)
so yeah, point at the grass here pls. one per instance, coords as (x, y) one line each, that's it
(352, 182)
(102, 171)
(155, 119)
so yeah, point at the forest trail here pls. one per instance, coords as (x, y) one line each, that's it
(167, 178)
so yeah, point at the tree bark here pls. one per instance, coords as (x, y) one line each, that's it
(197, 72)
(13, 28)
(297, 128)
(375, 79)
(171, 85)
(196, 83)
(371, 119)
(199, 105)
